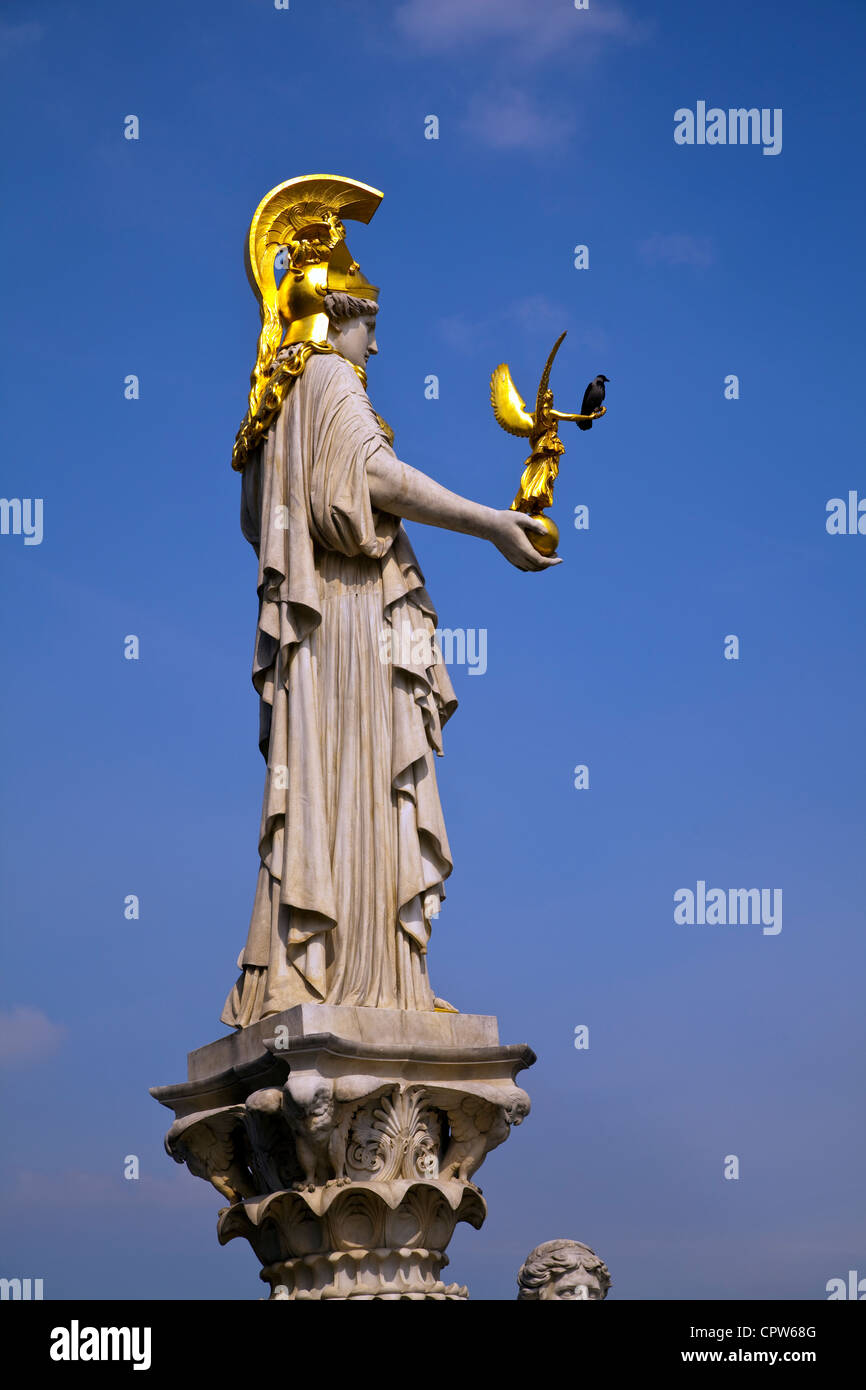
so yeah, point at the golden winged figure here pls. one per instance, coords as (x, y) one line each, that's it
(542, 429)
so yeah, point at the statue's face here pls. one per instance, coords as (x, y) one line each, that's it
(355, 339)
(574, 1283)
(320, 1108)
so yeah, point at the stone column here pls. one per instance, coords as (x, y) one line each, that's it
(346, 1141)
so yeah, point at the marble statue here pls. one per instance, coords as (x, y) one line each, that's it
(352, 845)
(345, 1117)
(563, 1269)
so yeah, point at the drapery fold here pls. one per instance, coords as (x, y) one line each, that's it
(352, 845)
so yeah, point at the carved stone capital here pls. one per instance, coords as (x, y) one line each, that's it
(348, 1156)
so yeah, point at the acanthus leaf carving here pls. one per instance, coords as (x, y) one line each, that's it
(396, 1137)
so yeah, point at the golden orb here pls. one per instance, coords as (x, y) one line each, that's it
(545, 545)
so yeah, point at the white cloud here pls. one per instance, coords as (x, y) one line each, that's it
(538, 30)
(27, 1035)
(536, 313)
(511, 119)
(526, 39)
(530, 314)
(677, 248)
(535, 316)
(14, 37)
(74, 1190)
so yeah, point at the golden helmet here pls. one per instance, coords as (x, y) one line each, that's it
(303, 219)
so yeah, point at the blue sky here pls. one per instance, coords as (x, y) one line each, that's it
(707, 518)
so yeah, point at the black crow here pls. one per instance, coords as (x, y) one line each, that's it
(592, 400)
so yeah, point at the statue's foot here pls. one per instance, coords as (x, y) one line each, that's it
(441, 1006)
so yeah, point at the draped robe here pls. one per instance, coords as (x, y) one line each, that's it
(352, 845)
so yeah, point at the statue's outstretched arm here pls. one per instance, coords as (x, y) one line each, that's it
(397, 488)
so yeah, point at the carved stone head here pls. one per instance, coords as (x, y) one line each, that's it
(563, 1269)
(311, 1102)
(352, 326)
(517, 1111)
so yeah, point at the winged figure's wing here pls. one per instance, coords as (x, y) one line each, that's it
(508, 405)
(545, 375)
(206, 1140)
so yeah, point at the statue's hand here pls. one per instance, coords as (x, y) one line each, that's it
(508, 534)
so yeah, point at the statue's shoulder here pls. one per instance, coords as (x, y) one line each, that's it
(334, 383)
(330, 366)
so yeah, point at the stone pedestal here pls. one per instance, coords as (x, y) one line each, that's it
(346, 1141)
